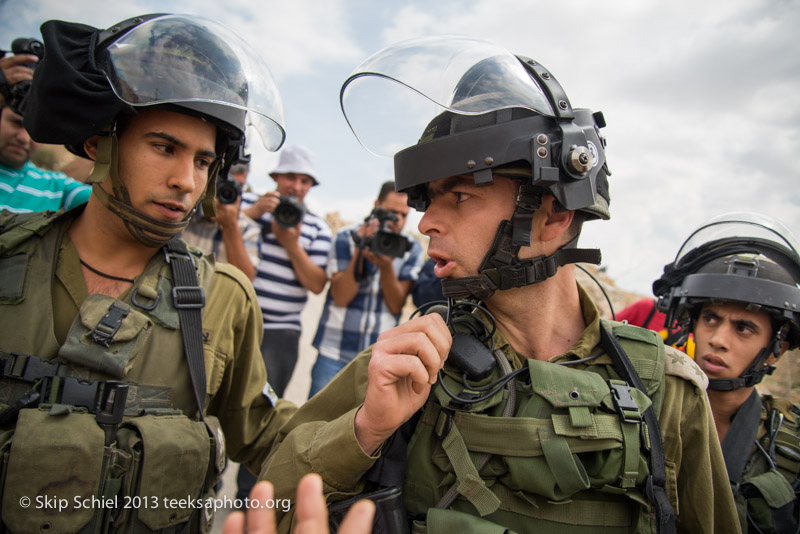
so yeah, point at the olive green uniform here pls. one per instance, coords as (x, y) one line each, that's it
(765, 495)
(46, 312)
(320, 438)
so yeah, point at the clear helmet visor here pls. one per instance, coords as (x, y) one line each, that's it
(742, 226)
(180, 58)
(392, 96)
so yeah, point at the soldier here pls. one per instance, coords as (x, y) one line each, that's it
(734, 285)
(516, 409)
(127, 356)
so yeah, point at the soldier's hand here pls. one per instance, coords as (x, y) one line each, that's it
(15, 69)
(404, 364)
(311, 512)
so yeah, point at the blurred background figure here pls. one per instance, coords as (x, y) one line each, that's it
(372, 268)
(292, 254)
(230, 235)
(24, 187)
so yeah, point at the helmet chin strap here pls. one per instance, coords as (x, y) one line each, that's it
(757, 370)
(502, 268)
(147, 230)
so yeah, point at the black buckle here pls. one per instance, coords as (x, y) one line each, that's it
(78, 393)
(627, 408)
(33, 368)
(188, 297)
(108, 325)
(512, 276)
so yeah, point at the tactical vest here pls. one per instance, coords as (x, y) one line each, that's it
(74, 459)
(767, 492)
(570, 459)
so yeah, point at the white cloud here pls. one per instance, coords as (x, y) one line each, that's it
(701, 100)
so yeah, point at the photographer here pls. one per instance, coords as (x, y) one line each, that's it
(293, 250)
(368, 289)
(231, 235)
(24, 187)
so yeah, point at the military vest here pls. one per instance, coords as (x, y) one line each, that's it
(569, 459)
(74, 459)
(766, 494)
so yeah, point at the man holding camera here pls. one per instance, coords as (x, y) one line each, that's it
(292, 254)
(372, 268)
(231, 235)
(24, 187)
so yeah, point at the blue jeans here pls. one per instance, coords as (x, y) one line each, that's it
(323, 372)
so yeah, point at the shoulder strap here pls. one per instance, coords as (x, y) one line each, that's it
(657, 480)
(739, 440)
(189, 299)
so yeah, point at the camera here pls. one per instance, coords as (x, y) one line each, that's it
(24, 45)
(16, 95)
(384, 242)
(289, 211)
(228, 190)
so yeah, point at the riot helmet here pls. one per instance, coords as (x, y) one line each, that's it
(742, 258)
(482, 111)
(89, 77)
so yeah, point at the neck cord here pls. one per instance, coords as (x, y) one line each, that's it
(104, 275)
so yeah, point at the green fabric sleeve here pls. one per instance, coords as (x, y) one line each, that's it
(697, 482)
(320, 438)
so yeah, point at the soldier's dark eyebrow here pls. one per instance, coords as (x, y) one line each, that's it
(177, 142)
(447, 185)
(747, 323)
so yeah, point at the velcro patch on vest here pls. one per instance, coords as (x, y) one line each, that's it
(677, 363)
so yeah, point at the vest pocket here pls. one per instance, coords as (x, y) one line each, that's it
(173, 452)
(54, 464)
(107, 336)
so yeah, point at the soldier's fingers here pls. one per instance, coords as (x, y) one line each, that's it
(421, 366)
(311, 513)
(433, 326)
(359, 518)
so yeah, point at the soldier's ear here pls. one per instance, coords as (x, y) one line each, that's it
(90, 147)
(555, 222)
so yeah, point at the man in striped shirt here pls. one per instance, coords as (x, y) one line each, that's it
(24, 187)
(291, 262)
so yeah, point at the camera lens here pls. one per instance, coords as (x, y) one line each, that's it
(289, 212)
(228, 191)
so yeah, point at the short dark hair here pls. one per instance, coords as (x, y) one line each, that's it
(386, 188)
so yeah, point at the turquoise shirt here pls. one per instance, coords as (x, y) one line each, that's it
(33, 189)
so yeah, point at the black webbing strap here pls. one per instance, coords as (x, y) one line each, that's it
(188, 298)
(739, 440)
(657, 480)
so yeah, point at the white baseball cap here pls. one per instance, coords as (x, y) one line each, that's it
(297, 159)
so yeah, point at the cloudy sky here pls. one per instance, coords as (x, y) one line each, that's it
(702, 99)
